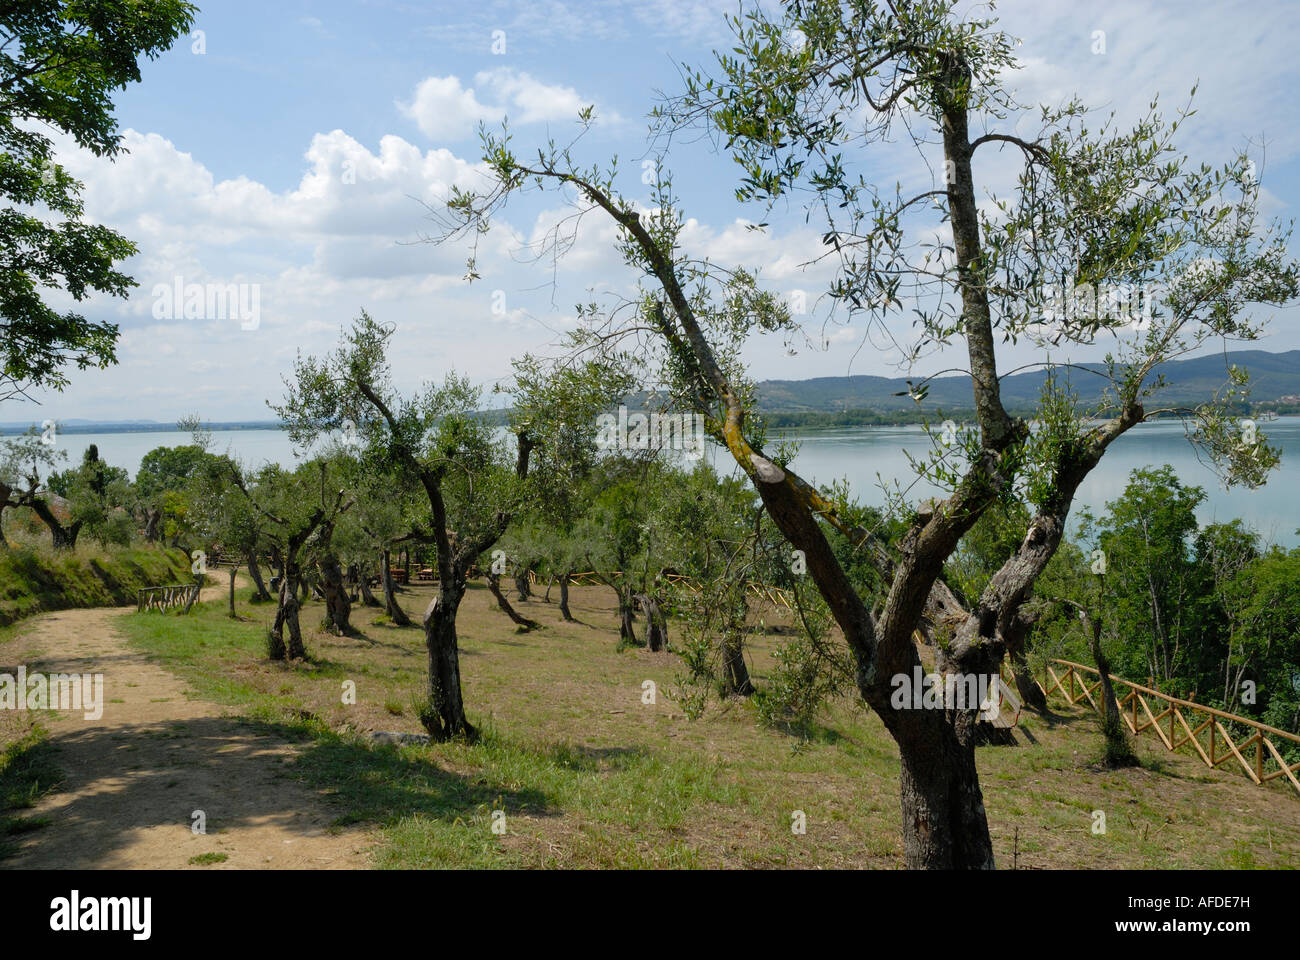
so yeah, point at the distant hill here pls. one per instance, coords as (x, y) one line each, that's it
(1274, 375)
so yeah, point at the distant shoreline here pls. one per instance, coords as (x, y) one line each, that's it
(72, 429)
(796, 420)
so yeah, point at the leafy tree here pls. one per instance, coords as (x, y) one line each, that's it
(301, 509)
(22, 460)
(1092, 206)
(1154, 586)
(99, 497)
(1225, 552)
(164, 471)
(60, 62)
(435, 441)
(1270, 638)
(557, 405)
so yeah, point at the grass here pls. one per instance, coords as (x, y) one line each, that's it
(204, 859)
(27, 773)
(36, 579)
(581, 773)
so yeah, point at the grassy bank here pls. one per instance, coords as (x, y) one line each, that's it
(39, 580)
(588, 775)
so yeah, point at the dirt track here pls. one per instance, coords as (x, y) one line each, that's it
(136, 775)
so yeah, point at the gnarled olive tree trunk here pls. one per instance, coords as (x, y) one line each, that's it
(286, 616)
(363, 586)
(494, 585)
(656, 626)
(564, 595)
(63, 537)
(338, 608)
(444, 710)
(391, 606)
(255, 572)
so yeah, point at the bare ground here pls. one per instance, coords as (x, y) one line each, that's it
(136, 776)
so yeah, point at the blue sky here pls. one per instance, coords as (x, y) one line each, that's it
(293, 151)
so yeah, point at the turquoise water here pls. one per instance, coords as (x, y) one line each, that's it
(861, 453)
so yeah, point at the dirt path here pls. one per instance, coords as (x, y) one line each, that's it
(136, 776)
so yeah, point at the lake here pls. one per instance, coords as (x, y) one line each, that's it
(859, 454)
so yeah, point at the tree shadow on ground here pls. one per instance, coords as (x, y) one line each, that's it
(123, 779)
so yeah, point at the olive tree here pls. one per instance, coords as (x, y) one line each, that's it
(1091, 206)
(432, 439)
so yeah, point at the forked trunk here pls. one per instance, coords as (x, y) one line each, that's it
(63, 538)
(523, 589)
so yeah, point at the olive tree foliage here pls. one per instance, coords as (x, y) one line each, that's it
(391, 512)
(300, 509)
(1090, 205)
(433, 440)
(557, 404)
(100, 498)
(164, 473)
(60, 63)
(23, 459)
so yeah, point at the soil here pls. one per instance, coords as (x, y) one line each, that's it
(136, 776)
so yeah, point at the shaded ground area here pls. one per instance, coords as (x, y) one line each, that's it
(134, 779)
(575, 767)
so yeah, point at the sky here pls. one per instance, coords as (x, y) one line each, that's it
(292, 147)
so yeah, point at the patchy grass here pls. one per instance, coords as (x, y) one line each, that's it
(37, 579)
(574, 770)
(27, 773)
(204, 859)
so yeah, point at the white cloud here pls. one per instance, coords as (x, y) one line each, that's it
(444, 109)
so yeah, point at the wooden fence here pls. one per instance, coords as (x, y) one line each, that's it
(773, 595)
(168, 596)
(1079, 682)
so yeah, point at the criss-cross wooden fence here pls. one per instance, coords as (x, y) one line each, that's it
(1257, 754)
(168, 596)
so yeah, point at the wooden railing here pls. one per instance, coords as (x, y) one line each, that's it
(168, 596)
(773, 595)
(1079, 682)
